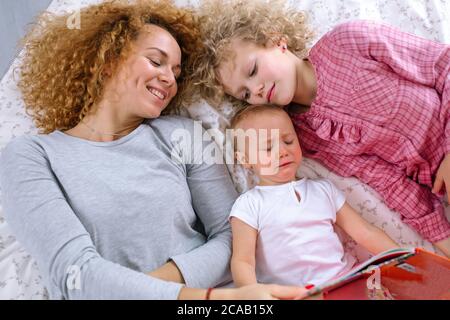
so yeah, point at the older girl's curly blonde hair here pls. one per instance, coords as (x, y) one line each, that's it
(62, 73)
(258, 21)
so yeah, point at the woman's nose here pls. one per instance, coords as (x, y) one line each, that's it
(167, 77)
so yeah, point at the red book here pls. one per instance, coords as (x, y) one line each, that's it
(398, 274)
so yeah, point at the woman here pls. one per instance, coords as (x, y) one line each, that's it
(98, 199)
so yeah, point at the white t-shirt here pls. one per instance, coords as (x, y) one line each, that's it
(296, 244)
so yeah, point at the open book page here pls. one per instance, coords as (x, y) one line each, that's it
(381, 257)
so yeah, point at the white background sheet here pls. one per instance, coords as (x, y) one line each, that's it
(19, 275)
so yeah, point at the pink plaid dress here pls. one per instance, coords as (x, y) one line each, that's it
(381, 114)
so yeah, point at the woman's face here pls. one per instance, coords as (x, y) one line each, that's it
(146, 81)
(259, 75)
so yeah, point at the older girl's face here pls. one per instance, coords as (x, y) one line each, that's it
(259, 75)
(147, 80)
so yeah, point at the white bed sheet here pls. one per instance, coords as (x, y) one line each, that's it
(19, 274)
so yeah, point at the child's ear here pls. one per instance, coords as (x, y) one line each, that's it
(280, 42)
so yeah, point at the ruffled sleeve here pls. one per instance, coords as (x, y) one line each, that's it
(328, 129)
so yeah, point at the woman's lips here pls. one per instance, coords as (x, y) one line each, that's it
(270, 93)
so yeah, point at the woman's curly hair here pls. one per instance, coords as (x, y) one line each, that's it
(62, 73)
(258, 21)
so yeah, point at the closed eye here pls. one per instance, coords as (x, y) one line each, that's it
(254, 70)
(154, 62)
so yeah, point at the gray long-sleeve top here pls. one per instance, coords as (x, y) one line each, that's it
(97, 215)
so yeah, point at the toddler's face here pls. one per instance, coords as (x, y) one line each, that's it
(271, 148)
(259, 75)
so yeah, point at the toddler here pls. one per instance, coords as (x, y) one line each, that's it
(283, 228)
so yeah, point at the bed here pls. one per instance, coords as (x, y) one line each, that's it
(19, 274)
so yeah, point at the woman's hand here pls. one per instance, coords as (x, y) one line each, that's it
(250, 292)
(443, 177)
(261, 292)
